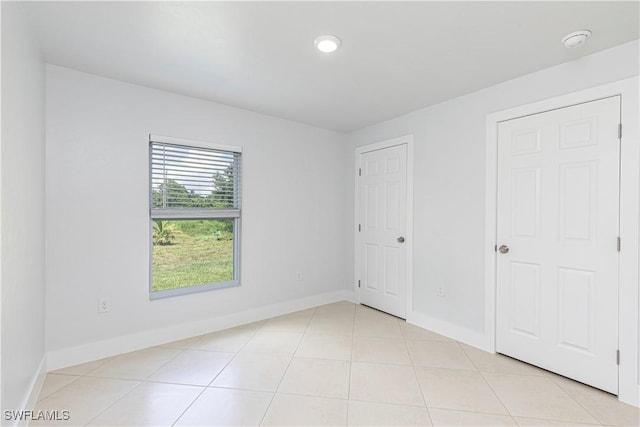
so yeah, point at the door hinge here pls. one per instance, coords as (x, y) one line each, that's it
(359, 227)
(495, 248)
(619, 130)
(359, 171)
(358, 283)
(617, 357)
(618, 243)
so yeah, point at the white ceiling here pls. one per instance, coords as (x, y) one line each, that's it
(396, 56)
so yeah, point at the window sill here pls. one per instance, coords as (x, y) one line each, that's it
(154, 295)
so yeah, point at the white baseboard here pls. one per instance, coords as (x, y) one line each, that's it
(450, 330)
(33, 391)
(351, 296)
(70, 356)
(629, 395)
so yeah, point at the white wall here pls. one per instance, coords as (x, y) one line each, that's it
(22, 211)
(97, 213)
(449, 182)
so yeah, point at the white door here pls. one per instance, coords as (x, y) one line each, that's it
(382, 254)
(558, 202)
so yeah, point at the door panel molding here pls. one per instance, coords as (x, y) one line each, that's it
(359, 256)
(629, 296)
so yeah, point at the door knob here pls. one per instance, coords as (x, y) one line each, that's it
(504, 249)
(400, 239)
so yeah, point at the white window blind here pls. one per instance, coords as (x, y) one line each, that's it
(194, 182)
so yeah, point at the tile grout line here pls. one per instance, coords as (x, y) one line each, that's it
(108, 359)
(468, 411)
(547, 419)
(566, 422)
(495, 393)
(142, 381)
(285, 371)
(114, 402)
(353, 343)
(41, 398)
(415, 372)
(555, 383)
(482, 374)
(488, 385)
(255, 332)
(205, 388)
(399, 405)
(189, 406)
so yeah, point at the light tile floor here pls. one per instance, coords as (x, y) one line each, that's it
(337, 364)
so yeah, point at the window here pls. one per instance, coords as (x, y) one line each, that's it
(194, 216)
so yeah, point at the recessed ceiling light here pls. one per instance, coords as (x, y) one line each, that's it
(327, 44)
(576, 38)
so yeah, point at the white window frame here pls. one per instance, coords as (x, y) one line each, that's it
(179, 214)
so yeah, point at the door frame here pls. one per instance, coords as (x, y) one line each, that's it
(401, 140)
(628, 316)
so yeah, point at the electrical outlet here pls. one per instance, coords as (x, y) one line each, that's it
(299, 276)
(104, 305)
(441, 292)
